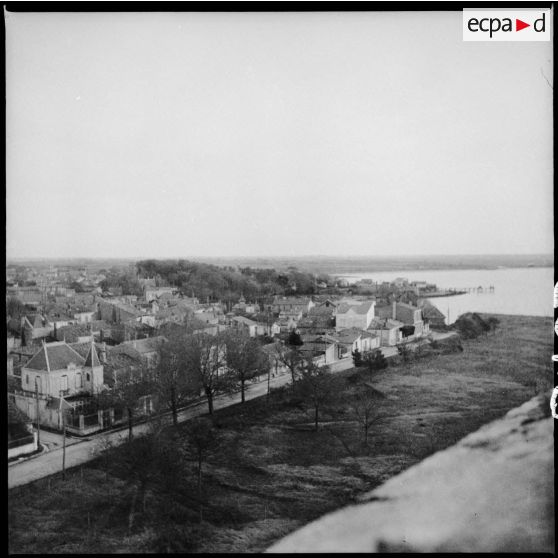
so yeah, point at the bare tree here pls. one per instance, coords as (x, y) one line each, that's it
(317, 386)
(201, 439)
(291, 358)
(143, 462)
(244, 358)
(363, 405)
(174, 385)
(130, 386)
(204, 358)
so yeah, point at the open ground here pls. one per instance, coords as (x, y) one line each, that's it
(269, 472)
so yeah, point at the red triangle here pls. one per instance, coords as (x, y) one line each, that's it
(519, 25)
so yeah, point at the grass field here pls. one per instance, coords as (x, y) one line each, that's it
(271, 473)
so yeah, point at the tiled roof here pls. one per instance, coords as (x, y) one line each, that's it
(321, 311)
(54, 356)
(84, 348)
(125, 349)
(363, 308)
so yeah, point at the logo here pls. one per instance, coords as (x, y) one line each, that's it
(506, 25)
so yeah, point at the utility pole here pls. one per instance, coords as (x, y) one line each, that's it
(37, 413)
(64, 445)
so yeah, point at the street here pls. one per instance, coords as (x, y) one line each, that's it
(81, 450)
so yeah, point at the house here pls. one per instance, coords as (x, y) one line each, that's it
(351, 315)
(400, 282)
(432, 315)
(321, 350)
(116, 312)
(388, 330)
(322, 315)
(286, 323)
(266, 324)
(408, 314)
(251, 327)
(148, 349)
(291, 304)
(152, 293)
(244, 307)
(85, 316)
(73, 333)
(34, 329)
(353, 339)
(58, 369)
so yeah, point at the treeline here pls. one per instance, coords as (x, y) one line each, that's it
(125, 281)
(228, 283)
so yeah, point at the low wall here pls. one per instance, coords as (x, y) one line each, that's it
(491, 492)
(23, 449)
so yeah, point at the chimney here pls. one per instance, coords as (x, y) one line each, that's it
(103, 353)
(394, 310)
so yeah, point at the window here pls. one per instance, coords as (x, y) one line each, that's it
(79, 381)
(64, 383)
(88, 377)
(27, 379)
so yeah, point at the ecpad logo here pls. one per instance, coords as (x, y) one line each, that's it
(506, 25)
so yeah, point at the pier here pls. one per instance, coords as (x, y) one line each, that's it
(479, 289)
(463, 290)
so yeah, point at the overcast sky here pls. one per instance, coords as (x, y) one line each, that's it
(176, 135)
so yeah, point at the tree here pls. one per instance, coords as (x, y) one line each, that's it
(357, 358)
(15, 308)
(294, 339)
(374, 360)
(130, 386)
(204, 358)
(363, 405)
(291, 358)
(244, 358)
(317, 386)
(404, 351)
(144, 461)
(174, 386)
(201, 438)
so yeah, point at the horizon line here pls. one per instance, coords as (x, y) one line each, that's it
(285, 256)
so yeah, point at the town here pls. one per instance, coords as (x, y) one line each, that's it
(90, 349)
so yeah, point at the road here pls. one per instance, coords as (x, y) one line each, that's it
(81, 450)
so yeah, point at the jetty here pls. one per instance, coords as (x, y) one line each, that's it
(463, 290)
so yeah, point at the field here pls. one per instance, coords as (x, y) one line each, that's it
(270, 472)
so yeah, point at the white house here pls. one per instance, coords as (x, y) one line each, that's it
(354, 315)
(57, 369)
(388, 330)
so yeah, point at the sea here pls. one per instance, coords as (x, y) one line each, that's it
(521, 291)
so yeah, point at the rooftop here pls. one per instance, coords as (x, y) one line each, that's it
(54, 356)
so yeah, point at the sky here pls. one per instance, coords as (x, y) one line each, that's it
(273, 134)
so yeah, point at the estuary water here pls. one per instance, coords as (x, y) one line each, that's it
(521, 291)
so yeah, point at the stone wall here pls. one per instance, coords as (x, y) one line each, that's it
(491, 492)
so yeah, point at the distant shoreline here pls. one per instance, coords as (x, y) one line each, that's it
(351, 274)
(331, 265)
